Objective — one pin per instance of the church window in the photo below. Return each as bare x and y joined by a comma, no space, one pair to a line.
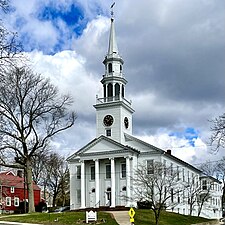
123,170
92,172
172,195
78,172
183,175
150,169
117,91
123,91
204,185
110,90
104,90
110,68
108,171
178,173
78,196
108,132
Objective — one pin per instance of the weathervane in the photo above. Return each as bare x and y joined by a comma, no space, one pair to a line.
112,13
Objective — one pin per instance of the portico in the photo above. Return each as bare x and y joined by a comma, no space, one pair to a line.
104,181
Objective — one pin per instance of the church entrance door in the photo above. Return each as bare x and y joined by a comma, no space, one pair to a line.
108,197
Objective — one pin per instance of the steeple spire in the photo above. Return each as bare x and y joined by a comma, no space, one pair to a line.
112,39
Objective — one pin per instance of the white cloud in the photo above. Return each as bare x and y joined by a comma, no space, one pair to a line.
181,148
67,71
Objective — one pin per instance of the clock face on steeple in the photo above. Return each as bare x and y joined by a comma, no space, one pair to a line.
108,120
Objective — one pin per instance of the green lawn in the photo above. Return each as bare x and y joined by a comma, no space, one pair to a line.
146,217
142,217
70,218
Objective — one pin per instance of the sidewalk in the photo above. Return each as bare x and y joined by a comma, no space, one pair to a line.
121,217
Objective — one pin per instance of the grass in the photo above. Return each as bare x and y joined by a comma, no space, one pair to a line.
70,218
142,217
146,217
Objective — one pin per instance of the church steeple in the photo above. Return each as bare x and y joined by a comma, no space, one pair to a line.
113,111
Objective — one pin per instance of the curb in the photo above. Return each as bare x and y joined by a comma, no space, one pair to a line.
17,223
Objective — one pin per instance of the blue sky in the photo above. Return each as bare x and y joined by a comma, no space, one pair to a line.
174,53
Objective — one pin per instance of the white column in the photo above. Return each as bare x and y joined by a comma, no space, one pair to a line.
83,205
128,181
97,200
113,184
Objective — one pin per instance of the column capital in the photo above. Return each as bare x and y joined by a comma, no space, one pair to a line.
111,158
95,160
128,157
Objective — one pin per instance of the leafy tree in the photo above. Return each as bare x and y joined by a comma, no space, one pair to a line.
157,184
32,112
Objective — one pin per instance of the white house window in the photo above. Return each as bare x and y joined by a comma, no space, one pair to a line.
150,169
16,201
8,201
92,172
108,171
12,189
78,172
123,170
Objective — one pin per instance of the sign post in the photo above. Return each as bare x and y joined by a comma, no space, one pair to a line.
131,214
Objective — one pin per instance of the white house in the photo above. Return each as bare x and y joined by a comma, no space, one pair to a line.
101,172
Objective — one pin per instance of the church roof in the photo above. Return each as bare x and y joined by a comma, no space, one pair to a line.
160,151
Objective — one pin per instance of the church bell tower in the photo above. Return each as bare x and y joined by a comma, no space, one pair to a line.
113,111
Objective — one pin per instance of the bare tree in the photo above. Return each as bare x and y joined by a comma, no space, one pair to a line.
9,46
32,112
218,132
57,176
157,184
196,194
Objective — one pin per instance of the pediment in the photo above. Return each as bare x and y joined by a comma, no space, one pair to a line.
102,146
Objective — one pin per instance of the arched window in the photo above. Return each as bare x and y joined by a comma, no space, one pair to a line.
110,68
123,91
120,68
117,91
110,91
124,188
104,87
109,189
93,190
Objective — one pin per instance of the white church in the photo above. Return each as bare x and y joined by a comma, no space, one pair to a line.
101,172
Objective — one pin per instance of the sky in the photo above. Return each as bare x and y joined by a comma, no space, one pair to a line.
174,61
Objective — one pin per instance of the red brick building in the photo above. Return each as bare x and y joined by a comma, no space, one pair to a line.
13,191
